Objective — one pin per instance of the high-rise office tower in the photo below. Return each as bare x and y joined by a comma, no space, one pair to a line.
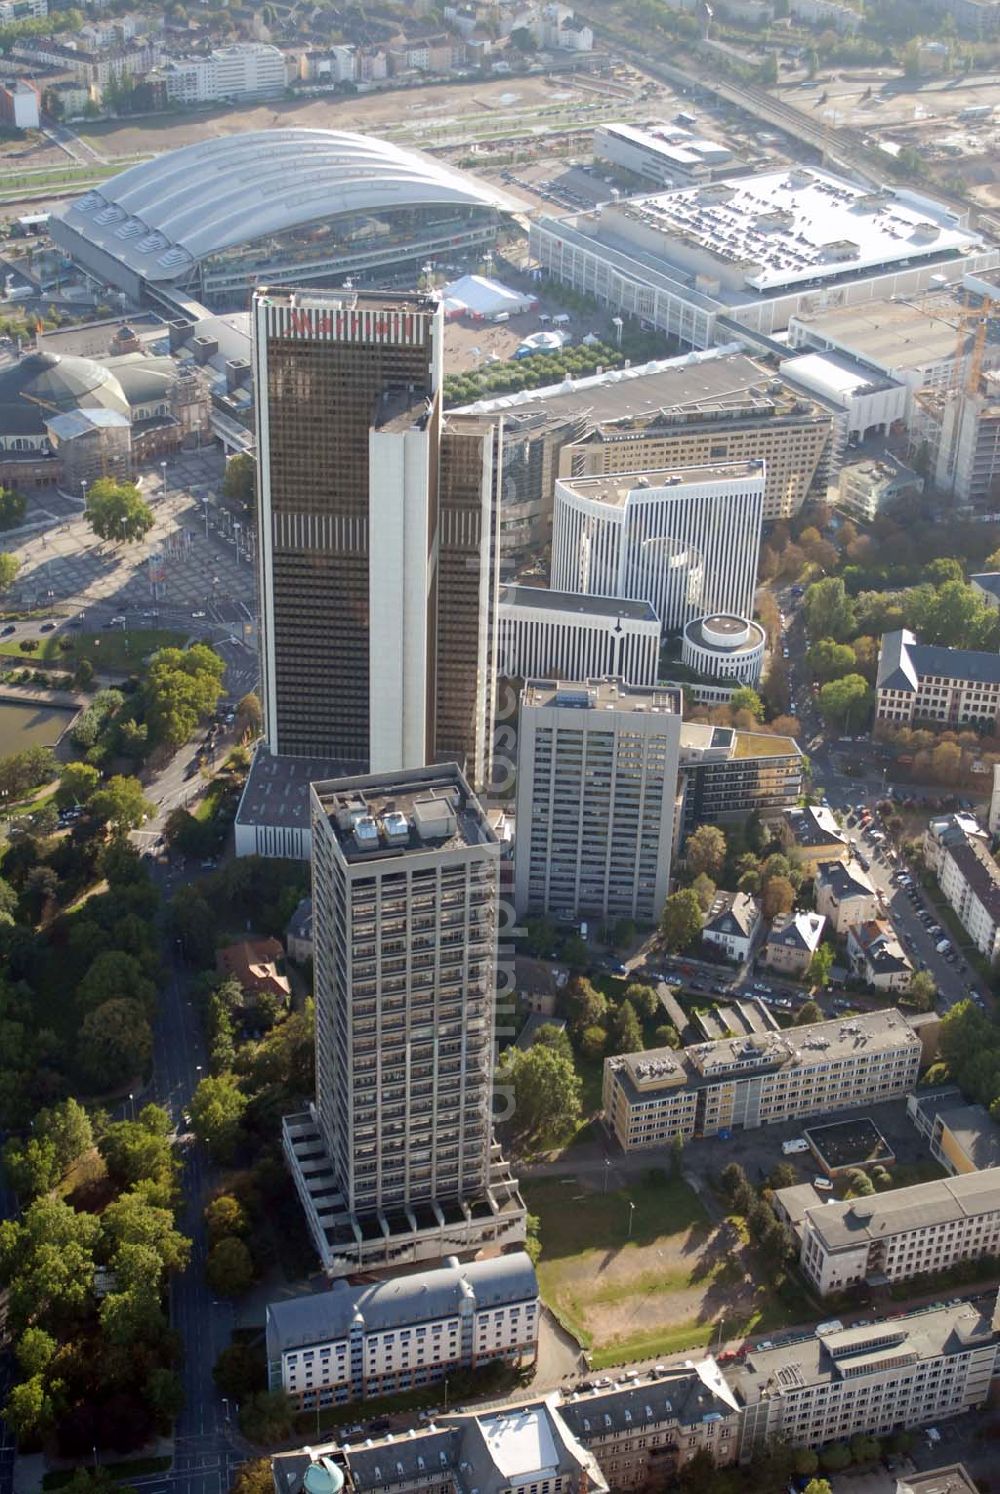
686,539
378,536
396,1161
596,794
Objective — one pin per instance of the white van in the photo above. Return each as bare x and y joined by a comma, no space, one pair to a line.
833,1326
797,1144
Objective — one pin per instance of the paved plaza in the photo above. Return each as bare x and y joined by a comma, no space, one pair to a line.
196,567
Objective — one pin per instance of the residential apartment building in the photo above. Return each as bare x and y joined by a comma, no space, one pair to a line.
94,67
378,542
238,73
906,1373
596,786
844,894
890,1237
731,924
741,1083
395,1162
877,957
685,540
957,850
925,682
352,1343
812,835
727,774
791,942
561,635
639,1431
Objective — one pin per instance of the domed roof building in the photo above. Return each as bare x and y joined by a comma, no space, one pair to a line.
123,409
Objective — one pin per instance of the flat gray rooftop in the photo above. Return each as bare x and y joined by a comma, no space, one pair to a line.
599,695
614,489
571,601
382,815
277,788
846,1224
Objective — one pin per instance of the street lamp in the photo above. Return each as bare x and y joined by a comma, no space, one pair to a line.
237,527
631,1216
205,502
131,1104
163,470
607,1169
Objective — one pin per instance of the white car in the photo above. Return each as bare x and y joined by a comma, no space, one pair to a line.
822,1185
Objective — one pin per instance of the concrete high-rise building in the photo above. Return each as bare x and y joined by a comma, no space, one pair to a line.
684,540
596,792
378,537
396,1162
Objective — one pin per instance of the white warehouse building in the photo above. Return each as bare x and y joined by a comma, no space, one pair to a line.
243,71
756,251
685,541
562,635
350,1343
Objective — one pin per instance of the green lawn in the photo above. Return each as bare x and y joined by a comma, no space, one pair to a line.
663,1288
56,1478
110,649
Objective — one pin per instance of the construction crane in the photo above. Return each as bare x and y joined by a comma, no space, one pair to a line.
979,317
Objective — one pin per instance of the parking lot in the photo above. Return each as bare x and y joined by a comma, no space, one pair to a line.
759,1151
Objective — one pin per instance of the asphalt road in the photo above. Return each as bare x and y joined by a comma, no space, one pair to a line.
204,1455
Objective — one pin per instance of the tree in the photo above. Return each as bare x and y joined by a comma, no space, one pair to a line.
815,1485
13,507
806,1461
217,1107
667,1036
164,1394
193,923
116,1043
34,1352
680,924
267,1417
828,610
782,1175
777,895
182,687
31,1168
593,1040
138,1151
818,973
846,701
229,1267
10,568
78,783
705,851
250,716
864,1448
116,511
121,805
827,660
225,1215
921,993
808,1012
134,1221
704,890
746,699
114,976
588,1006
30,1410
239,1371
643,999
239,480
626,1030
546,1094
735,1188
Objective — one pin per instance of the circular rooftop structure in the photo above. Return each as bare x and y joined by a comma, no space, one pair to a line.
45,384
724,646
271,207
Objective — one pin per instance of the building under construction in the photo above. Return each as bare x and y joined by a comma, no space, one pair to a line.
955,428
